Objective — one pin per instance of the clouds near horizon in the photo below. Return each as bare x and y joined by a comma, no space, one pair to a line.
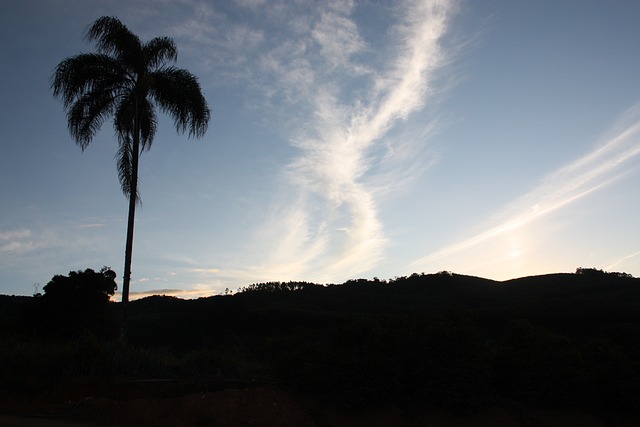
616,156
328,228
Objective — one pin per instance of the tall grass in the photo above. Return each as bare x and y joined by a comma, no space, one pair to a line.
34,364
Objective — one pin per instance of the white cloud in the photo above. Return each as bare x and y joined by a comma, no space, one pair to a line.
624,262
336,96
201,270
19,247
338,37
330,230
250,4
215,42
15,234
20,241
611,161
90,225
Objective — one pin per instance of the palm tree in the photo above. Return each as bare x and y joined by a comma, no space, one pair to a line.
127,79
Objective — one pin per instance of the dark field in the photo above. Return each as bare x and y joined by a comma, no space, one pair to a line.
437,350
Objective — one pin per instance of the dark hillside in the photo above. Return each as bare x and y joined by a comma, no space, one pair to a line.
444,340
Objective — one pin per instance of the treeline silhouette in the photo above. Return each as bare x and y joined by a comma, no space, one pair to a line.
448,340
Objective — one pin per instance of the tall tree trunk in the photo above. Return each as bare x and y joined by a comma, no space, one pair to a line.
133,198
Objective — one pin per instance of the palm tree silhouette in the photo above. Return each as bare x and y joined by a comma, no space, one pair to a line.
127,79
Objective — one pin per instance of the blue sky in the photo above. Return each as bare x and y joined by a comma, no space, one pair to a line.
348,139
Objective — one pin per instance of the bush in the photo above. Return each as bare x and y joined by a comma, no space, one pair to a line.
75,304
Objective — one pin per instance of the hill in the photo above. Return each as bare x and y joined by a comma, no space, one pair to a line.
446,341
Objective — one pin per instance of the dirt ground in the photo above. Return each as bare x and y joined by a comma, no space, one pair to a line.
159,405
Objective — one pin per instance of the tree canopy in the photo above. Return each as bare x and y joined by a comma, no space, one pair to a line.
99,285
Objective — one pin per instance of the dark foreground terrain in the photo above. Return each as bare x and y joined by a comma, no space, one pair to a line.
433,350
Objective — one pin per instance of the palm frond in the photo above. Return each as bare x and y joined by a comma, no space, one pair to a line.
77,75
124,115
122,80
148,124
86,115
177,93
158,51
124,161
113,37
124,120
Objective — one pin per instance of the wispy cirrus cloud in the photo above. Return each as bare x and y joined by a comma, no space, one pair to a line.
90,225
20,241
338,36
251,4
615,157
330,229
334,96
614,265
15,234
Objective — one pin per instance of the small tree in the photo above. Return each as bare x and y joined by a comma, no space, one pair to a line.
78,302
99,286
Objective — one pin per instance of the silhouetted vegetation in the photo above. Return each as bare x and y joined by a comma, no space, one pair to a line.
451,341
76,304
